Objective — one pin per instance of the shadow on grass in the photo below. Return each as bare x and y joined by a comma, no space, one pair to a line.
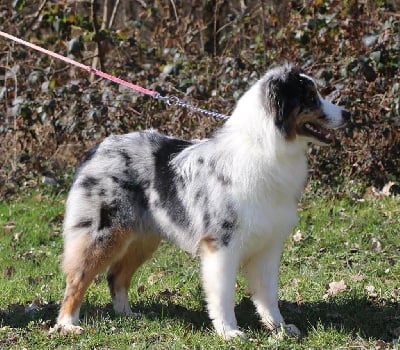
353,315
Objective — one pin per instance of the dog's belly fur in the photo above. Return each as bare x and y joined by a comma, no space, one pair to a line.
138,188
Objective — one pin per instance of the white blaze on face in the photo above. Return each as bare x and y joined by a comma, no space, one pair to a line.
333,113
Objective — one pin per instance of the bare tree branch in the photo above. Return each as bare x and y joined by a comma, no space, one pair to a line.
36,16
99,54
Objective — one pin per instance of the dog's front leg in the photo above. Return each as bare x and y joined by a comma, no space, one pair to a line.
219,268
262,275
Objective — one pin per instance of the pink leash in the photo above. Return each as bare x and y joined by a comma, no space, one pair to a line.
172,100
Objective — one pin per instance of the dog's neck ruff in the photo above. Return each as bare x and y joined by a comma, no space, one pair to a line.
251,121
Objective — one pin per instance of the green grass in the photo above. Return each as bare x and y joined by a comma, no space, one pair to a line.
357,241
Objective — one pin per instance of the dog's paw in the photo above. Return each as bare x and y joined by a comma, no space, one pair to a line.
286,330
127,312
65,329
291,330
231,334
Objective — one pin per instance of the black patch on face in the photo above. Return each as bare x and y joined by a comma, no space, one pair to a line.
200,160
108,214
285,92
84,223
165,181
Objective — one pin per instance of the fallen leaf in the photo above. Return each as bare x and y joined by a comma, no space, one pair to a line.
17,236
295,282
9,226
38,198
371,291
356,278
335,288
154,277
376,245
298,236
370,288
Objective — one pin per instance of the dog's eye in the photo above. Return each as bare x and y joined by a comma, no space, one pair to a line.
312,98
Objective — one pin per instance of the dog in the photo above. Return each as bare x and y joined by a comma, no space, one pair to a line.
230,199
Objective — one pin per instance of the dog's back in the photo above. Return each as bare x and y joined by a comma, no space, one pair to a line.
115,183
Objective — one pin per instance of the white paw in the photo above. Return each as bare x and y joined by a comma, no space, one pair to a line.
121,304
231,334
288,330
125,312
291,330
65,329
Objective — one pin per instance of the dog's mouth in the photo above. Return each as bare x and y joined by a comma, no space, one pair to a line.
316,131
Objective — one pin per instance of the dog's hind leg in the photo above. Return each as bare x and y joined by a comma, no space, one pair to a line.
120,272
219,268
84,257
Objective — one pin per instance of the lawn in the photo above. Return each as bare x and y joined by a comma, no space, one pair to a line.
340,283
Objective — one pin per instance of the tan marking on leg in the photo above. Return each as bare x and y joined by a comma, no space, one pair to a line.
208,245
83,259
120,273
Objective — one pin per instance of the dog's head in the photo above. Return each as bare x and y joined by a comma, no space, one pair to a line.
291,97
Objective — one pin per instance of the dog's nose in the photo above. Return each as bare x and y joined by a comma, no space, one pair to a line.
346,115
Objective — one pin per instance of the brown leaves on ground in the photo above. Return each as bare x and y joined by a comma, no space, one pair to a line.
335,288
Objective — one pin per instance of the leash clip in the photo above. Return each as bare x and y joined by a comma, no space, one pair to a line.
173,101
168,100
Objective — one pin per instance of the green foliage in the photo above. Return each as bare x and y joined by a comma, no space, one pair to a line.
53,113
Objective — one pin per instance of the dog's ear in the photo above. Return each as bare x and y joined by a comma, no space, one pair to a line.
282,97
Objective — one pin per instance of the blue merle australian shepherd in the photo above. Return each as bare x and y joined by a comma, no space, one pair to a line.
230,199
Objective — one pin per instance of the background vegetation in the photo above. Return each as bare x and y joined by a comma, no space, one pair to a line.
206,52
